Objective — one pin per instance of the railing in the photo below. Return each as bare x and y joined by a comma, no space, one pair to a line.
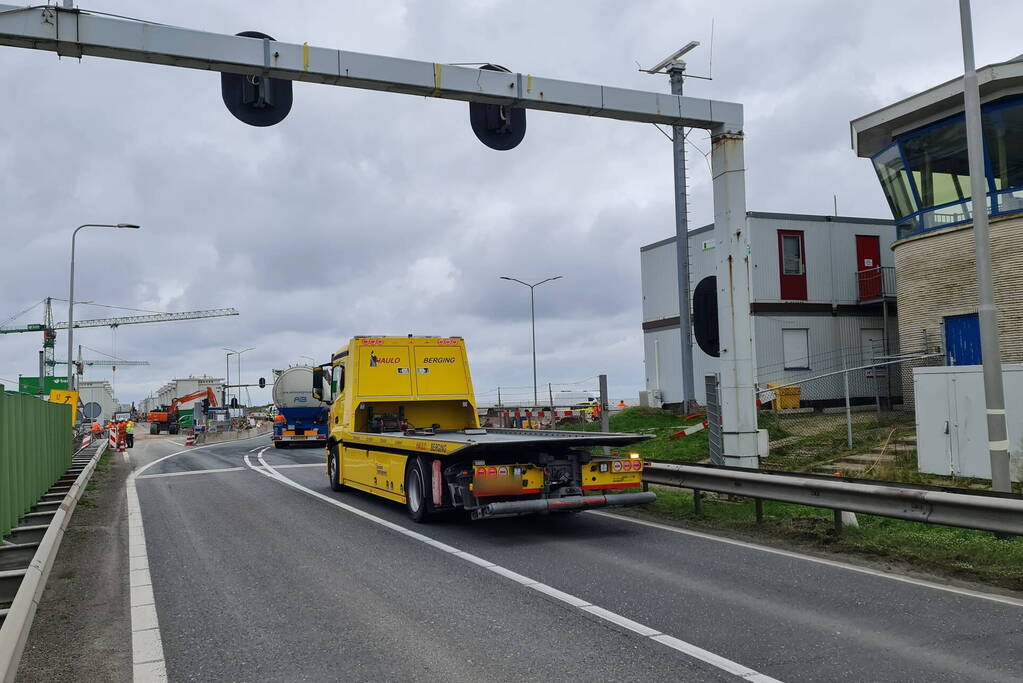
985,511
35,450
875,284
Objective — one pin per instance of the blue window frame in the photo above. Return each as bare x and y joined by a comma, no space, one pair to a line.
925,173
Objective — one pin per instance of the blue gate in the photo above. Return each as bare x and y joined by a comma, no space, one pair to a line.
962,339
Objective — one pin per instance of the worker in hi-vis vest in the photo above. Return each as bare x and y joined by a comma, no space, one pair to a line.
129,433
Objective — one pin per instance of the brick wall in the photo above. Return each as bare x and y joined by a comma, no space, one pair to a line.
936,277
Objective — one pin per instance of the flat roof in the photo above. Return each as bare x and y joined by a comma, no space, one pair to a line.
873,132
782,217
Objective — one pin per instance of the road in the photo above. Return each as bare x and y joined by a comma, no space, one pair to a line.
260,572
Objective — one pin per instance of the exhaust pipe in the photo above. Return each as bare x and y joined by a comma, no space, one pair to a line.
512,508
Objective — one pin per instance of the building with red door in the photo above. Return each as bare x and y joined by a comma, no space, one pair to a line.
823,296
918,149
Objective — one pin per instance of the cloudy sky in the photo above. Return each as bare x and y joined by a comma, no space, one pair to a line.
366,213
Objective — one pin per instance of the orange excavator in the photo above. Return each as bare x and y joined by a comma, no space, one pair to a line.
167,418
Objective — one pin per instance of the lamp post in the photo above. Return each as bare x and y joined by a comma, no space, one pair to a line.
71,295
227,364
532,319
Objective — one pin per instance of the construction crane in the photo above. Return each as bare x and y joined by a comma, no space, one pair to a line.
49,328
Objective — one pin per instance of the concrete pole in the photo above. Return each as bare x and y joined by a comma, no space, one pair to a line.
738,400
676,72
994,395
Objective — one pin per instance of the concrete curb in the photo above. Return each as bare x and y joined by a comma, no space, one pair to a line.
16,627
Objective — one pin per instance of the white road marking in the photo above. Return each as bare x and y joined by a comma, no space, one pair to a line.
304,464
644,631
147,661
190,472
1004,599
146,645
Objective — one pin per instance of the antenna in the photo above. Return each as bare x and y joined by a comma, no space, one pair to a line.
661,65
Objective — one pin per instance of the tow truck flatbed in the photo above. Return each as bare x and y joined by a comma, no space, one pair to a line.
490,439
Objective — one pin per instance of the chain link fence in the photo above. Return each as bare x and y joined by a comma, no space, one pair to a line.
852,420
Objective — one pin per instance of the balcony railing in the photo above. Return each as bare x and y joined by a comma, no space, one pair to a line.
875,284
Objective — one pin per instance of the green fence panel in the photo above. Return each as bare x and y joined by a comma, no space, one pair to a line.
35,450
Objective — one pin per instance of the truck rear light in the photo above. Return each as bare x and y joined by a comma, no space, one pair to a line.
492,471
626,465
481,471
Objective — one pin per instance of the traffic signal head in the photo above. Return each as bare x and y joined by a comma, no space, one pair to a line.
262,382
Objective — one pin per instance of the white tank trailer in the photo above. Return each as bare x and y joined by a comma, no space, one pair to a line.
304,416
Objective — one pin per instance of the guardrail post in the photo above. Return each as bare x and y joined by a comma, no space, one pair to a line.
758,504
838,522
698,502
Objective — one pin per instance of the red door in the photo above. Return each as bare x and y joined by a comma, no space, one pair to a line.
868,266
792,264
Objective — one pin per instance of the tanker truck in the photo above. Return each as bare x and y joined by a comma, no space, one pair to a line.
301,418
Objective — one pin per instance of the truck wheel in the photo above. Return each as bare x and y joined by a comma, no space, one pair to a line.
416,489
279,444
334,470
173,429
154,428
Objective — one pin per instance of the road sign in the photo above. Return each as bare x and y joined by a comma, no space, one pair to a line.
69,398
30,385
91,410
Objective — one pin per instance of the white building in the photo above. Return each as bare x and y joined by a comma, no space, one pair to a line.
177,388
822,287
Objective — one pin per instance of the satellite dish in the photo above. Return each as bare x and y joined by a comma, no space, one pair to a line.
705,316
497,126
91,410
256,100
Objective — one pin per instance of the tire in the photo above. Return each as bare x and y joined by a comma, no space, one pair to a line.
172,429
154,428
416,490
278,444
334,470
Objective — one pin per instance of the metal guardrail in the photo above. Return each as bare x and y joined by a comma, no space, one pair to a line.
984,511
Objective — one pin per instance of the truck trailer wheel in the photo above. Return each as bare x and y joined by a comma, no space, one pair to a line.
280,444
334,470
173,429
416,478
154,428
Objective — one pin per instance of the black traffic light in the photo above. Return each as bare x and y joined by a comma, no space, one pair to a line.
257,100
262,382
497,126
234,402
205,404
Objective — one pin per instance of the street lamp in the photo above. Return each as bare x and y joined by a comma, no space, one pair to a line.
227,381
71,295
532,318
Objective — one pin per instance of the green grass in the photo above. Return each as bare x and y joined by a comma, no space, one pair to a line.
962,553
661,424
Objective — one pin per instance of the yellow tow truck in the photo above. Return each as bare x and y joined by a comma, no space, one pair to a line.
403,425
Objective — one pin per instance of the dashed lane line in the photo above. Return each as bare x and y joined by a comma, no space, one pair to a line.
642,630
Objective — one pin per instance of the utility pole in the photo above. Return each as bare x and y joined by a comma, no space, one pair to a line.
675,67
676,72
994,394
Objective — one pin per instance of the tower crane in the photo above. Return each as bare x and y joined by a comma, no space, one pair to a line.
49,328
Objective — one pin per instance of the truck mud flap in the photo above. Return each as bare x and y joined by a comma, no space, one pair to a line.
547,505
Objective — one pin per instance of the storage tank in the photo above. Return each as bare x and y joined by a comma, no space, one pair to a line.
293,393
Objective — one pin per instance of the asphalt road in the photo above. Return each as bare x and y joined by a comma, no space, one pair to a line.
265,574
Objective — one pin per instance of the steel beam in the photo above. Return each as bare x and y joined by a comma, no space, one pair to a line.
999,513
77,33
